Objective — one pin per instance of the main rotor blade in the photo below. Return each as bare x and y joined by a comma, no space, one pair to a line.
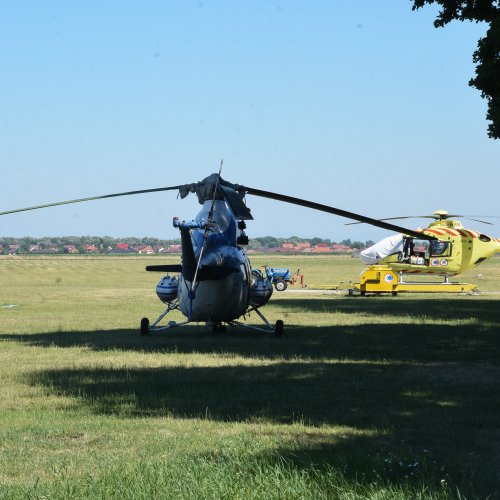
336,211
481,221
450,216
91,198
398,218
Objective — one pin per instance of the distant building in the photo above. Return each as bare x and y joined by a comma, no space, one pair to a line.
321,248
122,248
49,249
270,249
14,249
71,249
90,248
301,247
147,250
173,249
339,248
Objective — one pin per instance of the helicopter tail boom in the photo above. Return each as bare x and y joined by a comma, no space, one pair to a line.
166,268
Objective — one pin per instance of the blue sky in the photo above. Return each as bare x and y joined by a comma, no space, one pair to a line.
361,105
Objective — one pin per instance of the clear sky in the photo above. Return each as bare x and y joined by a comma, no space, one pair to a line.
361,105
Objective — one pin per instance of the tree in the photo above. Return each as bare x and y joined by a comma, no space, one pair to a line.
269,241
487,55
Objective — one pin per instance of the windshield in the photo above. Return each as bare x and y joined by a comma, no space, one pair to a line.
421,247
440,247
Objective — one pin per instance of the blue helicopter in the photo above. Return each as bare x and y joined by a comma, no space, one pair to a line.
214,282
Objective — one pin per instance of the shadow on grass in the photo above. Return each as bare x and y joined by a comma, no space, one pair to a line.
367,342
457,308
391,411
398,389
476,338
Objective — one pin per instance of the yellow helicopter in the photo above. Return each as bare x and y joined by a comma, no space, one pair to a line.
445,248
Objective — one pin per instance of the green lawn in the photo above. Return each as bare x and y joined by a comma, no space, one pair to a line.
374,397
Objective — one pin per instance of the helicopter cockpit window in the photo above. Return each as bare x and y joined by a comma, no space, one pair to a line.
421,248
419,252
440,247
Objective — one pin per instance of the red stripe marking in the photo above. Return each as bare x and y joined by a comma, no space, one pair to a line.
451,231
463,233
435,231
471,233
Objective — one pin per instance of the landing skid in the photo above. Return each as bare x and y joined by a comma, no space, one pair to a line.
277,329
147,328
379,279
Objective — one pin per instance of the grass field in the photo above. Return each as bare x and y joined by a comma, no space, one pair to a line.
374,397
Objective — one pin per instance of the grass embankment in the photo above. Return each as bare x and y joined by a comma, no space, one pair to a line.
384,397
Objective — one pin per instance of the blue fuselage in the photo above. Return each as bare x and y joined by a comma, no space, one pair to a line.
224,295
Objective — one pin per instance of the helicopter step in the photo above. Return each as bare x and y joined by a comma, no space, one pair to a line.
382,279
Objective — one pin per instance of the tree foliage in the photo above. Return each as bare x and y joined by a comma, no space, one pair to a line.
487,55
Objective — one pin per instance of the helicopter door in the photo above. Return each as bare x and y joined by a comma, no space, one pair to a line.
416,251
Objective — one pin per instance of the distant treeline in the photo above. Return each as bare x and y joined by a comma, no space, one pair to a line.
60,244
273,242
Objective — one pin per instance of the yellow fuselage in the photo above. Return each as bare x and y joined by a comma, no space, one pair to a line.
467,249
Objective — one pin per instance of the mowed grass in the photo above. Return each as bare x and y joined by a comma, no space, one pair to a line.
374,397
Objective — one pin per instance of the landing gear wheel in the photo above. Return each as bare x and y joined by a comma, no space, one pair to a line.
145,326
281,285
279,328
